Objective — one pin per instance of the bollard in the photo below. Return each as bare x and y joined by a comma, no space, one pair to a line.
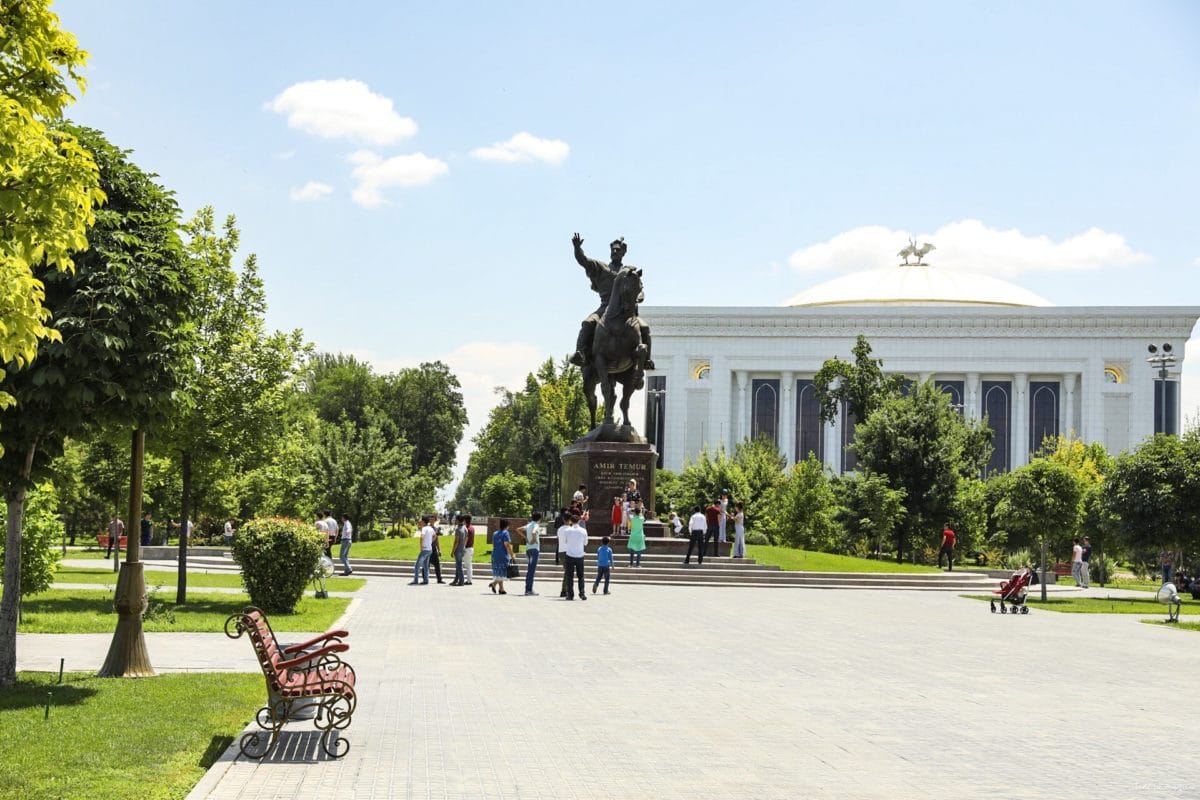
49,697
61,663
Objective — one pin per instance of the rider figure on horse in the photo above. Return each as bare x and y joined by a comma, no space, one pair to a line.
602,276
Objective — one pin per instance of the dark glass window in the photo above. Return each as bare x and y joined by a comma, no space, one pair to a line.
1043,413
764,421
849,429
656,407
1172,389
810,434
996,406
955,389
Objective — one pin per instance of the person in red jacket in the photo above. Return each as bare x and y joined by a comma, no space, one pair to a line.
948,537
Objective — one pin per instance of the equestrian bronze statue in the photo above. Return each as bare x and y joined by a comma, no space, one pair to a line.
613,345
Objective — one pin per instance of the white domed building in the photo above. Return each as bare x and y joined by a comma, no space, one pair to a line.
1000,351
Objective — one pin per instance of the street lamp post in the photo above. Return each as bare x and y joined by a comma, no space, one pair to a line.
1162,359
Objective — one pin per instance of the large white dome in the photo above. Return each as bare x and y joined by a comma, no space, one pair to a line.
916,286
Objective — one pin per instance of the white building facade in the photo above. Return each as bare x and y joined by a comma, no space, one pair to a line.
1001,353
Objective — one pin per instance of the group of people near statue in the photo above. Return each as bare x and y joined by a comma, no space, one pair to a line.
627,518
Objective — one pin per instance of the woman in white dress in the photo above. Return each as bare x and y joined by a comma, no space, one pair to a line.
739,530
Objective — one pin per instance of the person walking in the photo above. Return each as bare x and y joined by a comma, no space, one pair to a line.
459,550
347,539
1077,562
227,536
116,529
435,557
739,529
637,538
947,548
147,528
421,568
469,551
676,525
331,527
1166,560
604,564
574,546
560,553
533,549
1086,555
696,526
502,553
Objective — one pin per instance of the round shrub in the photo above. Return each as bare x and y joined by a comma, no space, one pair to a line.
755,537
278,559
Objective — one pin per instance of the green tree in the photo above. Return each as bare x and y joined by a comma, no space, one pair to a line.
340,386
1152,496
506,495
122,318
702,480
763,467
43,531
871,511
1042,500
232,401
525,434
49,184
359,473
803,510
862,386
922,446
426,404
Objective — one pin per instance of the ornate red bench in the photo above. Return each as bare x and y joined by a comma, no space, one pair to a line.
298,673
102,540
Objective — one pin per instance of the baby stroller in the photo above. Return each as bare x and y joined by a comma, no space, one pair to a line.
1013,591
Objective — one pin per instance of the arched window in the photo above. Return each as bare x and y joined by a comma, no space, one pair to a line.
764,419
997,409
810,434
955,390
1043,413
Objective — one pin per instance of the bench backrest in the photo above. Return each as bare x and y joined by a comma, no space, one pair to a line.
254,623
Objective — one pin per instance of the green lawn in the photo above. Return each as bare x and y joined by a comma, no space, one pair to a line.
791,559
87,611
406,549
1103,605
1185,626
232,580
84,749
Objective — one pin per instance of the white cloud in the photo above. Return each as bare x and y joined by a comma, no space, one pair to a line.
375,173
286,155
313,190
525,146
342,109
972,246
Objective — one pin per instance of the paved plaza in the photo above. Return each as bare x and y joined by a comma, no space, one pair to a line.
676,692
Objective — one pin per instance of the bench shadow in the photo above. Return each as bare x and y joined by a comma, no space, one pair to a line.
298,747
212,753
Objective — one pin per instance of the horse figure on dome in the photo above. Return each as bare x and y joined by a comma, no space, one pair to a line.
619,351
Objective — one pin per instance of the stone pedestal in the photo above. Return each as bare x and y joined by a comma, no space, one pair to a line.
605,467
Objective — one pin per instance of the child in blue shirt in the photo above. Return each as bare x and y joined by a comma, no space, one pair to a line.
604,562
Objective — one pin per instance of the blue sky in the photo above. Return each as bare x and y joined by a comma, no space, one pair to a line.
1056,145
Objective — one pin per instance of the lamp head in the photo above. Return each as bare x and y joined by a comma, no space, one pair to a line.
1166,347
1152,348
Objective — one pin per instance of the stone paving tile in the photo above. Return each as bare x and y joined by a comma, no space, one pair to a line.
672,692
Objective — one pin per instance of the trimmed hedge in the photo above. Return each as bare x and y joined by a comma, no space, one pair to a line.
278,558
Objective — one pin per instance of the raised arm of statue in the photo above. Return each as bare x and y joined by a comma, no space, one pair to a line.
585,262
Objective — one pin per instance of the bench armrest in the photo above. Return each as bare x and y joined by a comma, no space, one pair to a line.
335,635
293,663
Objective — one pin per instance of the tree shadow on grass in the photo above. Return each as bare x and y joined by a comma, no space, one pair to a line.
30,694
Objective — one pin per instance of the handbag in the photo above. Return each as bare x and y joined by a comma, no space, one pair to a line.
513,571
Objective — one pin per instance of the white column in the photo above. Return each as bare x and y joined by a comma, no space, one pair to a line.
787,416
924,376
1020,420
742,425
1091,409
971,401
1067,399
833,445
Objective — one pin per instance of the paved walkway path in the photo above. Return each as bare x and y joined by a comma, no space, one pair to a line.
672,692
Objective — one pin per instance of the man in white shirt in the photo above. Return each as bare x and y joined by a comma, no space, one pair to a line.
331,528
724,503
696,527
1077,563
574,544
421,568
347,538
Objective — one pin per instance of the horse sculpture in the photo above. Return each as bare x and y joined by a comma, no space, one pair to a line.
619,351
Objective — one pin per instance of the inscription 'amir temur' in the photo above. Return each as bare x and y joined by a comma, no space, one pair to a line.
622,466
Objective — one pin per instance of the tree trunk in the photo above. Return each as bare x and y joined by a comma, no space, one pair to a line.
181,584
10,603
127,655
116,548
